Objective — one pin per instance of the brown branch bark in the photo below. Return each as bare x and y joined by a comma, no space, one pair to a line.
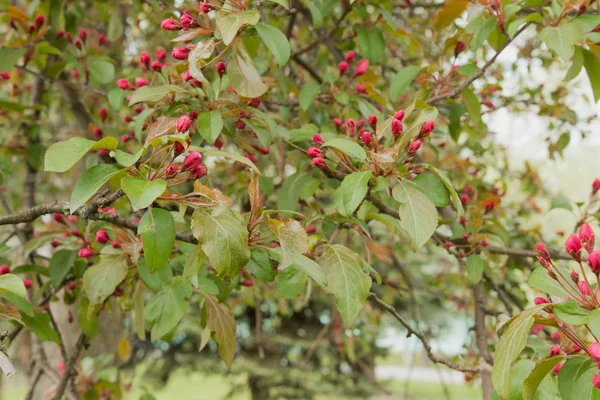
481,340
70,367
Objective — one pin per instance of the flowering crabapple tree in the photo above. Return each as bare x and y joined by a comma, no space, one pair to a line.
274,180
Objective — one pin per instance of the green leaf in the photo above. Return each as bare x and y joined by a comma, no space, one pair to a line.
244,77
60,265
474,268
90,182
346,146
561,39
224,239
570,374
315,12
418,215
219,319
429,113
540,279
226,154
591,62
142,192
9,57
576,65
152,94
13,290
433,188
61,156
594,323
125,159
39,324
292,238
453,195
346,280
473,106
536,376
260,265
300,185
310,268
510,345
201,52
571,313
284,3
115,27
168,307
401,81
229,23
561,202
101,70
291,282
157,228
155,281
467,69
26,269
210,125
351,192
308,93
101,280
451,10
583,390
115,98
371,44
275,41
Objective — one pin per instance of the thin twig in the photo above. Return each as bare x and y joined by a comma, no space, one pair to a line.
70,367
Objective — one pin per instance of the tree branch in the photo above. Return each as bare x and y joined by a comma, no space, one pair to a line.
70,367
411,331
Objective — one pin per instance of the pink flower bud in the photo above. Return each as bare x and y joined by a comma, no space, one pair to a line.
596,381
540,300
171,171
361,68
318,139
156,66
4,76
343,67
183,123
239,124
221,67
97,132
248,283
101,236
414,146
180,53
101,39
489,206
573,247
205,8
586,235
123,84
39,20
179,148
397,127
145,58
373,121
596,185
594,351
86,252
102,113
594,261
187,21
127,118
311,230
584,287
139,82
58,218
4,269
360,88
170,24
399,115
27,283
350,56
115,244
337,122
543,255
427,128
218,144
555,350
192,161
74,73
83,34
574,276
459,48
557,368
255,102
319,162
161,55
199,171
366,138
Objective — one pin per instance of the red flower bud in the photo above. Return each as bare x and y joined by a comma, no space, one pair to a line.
489,206
596,381
156,66
337,122
123,84
557,368
596,185
594,351
319,162
77,44
54,243
161,55
373,121
399,115
397,127
311,229
171,171
594,261
27,283
350,56
192,161
574,276
58,218
139,82
366,138
97,132
183,123
74,73
218,144
115,244
86,252
361,68
318,139
248,283
540,300
170,24
586,235
555,350
573,247
199,171
4,269
180,53
314,152
459,48
205,8
414,146
250,157
127,118
101,39
360,88
187,21
145,58
39,20
221,67
118,292
427,128
4,76
343,67
83,34
72,286
584,287
543,255
102,113
179,148
102,236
